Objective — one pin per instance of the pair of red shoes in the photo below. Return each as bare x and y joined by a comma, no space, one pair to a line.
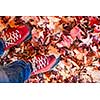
14,36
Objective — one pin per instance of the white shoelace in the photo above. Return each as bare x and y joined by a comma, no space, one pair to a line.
13,37
39,63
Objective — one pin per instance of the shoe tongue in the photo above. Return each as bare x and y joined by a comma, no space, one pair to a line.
38,56
10,30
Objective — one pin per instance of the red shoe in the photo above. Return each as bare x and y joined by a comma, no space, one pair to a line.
14,36
43,63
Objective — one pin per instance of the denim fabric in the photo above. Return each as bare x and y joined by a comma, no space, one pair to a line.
1,47
3,77
18,71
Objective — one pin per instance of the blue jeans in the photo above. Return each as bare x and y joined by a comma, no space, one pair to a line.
16,72
1,47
